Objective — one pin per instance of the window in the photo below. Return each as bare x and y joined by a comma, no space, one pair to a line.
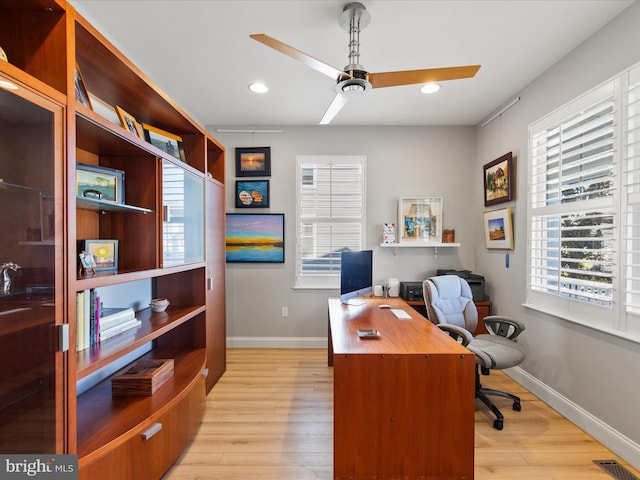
584,208
330,193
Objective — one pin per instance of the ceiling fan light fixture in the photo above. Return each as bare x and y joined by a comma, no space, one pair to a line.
258,87
430,87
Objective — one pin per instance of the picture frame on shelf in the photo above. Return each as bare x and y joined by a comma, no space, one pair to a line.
255,238
103,109
82,94
169,143
252,193
498,180
253,161
498,229
104,252
419,220
100,183
87,263
129,122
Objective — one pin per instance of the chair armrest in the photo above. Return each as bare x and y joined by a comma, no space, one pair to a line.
459,334
504,326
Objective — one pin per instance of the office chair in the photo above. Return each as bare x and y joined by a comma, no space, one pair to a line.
450,306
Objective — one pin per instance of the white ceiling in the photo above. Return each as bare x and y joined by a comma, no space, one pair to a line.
199,52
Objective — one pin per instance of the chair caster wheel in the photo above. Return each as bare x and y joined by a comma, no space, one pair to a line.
516,406
497,424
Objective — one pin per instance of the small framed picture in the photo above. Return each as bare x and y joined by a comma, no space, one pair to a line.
420,219
104,252
253,162
100,183
82,95
129,123
498,230
165,141
252,193
87,263
498,184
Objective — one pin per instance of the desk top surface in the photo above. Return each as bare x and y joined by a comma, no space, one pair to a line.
397,336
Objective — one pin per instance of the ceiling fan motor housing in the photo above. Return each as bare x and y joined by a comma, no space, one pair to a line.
355,86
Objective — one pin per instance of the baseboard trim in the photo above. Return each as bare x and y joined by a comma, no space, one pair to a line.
277,342
611,438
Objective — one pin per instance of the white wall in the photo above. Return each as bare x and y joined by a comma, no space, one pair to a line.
416,161
588,375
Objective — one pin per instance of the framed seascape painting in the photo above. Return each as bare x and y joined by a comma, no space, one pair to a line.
253,162
498,180
252,193
498,229
104,253
100,183
255,238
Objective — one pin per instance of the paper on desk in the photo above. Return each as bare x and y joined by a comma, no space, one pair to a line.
400,313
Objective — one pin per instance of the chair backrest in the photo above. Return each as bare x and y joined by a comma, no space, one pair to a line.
448,299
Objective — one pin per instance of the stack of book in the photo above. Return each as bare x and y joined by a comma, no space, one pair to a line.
95,323
116,320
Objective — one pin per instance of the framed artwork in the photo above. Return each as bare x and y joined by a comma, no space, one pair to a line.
498,229
420,219
104,252
105,110
129,123
255,238
82,95
99,183
252,193
253,162
165,141
498,184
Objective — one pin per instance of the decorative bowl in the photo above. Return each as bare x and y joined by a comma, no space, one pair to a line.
159,304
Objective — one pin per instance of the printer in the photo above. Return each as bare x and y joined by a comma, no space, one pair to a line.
476,282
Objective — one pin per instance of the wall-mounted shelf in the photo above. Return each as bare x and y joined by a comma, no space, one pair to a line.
434,245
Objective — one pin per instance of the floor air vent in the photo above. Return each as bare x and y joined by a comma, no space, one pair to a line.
616,470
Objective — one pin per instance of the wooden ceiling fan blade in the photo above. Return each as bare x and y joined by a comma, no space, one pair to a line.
296,54
336,105
410,77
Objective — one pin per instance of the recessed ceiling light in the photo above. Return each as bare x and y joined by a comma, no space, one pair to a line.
258,87
430,88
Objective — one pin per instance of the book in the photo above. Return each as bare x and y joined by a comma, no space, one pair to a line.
80,343
143,377
121,328
115,316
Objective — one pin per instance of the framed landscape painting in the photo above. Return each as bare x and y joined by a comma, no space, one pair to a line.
498,180
253,162
498,230
255,238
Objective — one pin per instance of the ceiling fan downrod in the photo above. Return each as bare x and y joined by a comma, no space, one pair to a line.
353,18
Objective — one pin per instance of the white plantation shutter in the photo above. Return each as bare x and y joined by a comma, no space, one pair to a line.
330,216
631,190
584,207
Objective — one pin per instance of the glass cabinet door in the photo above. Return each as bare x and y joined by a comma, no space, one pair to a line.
31,294
183,216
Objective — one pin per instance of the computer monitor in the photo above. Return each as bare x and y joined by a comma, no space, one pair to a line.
356,275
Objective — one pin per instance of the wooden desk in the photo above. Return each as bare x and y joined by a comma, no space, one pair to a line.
404,402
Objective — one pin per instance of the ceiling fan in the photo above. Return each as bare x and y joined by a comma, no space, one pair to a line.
354,80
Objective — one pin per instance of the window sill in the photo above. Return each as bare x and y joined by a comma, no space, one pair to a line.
629,336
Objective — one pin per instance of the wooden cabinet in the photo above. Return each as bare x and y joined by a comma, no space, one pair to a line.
167,220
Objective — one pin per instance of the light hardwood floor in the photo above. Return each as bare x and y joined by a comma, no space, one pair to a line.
270,418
